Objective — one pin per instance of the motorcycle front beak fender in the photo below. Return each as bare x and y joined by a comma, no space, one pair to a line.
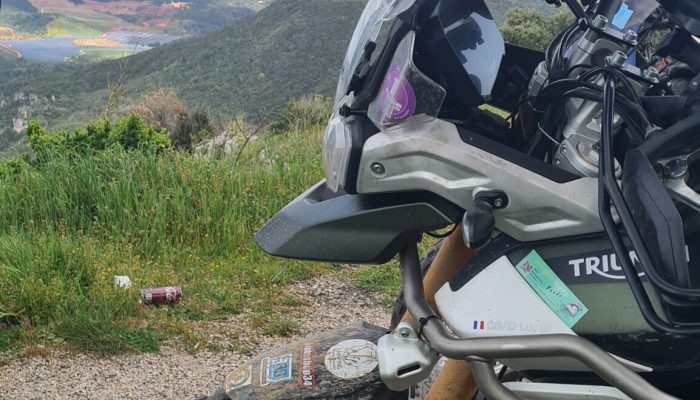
321,225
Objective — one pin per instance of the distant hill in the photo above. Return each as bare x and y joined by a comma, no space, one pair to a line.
290,48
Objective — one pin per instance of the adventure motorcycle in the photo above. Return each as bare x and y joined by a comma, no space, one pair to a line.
573,265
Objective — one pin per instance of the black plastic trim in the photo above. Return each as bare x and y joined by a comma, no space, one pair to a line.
498,149
359,229
361,129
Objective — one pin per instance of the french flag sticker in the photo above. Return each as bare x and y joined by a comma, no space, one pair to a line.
478,325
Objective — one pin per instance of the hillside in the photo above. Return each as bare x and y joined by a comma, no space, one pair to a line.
31,18
290,48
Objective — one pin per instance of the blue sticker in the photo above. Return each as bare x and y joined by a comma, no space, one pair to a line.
623,16
275,369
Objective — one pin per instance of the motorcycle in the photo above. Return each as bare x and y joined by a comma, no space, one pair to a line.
571,265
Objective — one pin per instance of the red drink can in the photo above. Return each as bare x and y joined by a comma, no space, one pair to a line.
163,295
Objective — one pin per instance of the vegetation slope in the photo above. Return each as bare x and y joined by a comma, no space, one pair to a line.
116,199
290,48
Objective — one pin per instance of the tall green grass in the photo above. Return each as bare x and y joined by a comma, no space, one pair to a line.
71,224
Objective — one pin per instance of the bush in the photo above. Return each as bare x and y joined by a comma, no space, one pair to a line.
303,114
13,166
128,133
191,130
164,110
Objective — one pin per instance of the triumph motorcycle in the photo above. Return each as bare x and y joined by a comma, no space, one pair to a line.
567,183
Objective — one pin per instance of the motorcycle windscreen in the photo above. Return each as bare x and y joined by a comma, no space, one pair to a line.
475,40
406,94
376,14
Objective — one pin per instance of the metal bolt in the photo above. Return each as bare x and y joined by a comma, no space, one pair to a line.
557,162
378,168
631,36
599,22
676,169
651,74
617,59
498,202
404,332
563,150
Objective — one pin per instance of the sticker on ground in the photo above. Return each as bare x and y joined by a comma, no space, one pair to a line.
352,359
275,369
551,289
239,378
307,375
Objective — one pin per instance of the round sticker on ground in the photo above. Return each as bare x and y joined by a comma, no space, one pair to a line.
352,359
238,379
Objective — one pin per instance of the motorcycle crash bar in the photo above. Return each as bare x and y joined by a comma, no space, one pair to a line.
479,350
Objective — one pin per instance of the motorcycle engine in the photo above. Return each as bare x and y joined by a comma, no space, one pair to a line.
601,44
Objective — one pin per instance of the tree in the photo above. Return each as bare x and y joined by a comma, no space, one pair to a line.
527,27
163,109
192,129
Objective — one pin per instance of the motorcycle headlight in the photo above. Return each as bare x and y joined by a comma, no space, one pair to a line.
337,145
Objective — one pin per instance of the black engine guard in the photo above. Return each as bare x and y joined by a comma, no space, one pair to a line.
359,229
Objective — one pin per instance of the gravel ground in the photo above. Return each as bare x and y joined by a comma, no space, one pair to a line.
175,374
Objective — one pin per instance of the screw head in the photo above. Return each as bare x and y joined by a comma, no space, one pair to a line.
617,59
378,168
676,169
404,332
631,36
557,162
564,150
651,73
498,202
599,21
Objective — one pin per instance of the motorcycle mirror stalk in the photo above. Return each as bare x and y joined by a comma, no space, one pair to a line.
479,223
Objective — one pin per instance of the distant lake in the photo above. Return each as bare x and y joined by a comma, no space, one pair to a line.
53,50
59,48
149,39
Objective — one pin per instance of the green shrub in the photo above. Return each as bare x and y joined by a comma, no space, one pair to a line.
128,133
303,114
193,128
13,166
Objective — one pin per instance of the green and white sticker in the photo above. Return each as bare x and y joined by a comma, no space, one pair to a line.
551,289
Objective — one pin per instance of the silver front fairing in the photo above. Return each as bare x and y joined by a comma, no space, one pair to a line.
433,157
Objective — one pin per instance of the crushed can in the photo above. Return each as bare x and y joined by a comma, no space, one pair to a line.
162,295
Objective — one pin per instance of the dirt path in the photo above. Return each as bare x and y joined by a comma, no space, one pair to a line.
174,374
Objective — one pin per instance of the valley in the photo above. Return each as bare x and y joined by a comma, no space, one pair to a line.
91,30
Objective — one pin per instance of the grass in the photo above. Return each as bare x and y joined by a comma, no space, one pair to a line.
64,25
172,219
384,279
99,54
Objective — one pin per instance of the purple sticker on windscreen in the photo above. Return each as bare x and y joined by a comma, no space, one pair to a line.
397,99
